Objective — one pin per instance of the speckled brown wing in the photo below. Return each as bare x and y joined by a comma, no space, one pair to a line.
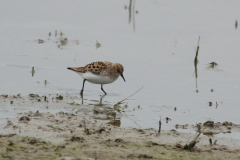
100,67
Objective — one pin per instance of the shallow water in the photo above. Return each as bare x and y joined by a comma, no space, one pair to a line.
155,41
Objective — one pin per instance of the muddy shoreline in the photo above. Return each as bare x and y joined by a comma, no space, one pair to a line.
39,133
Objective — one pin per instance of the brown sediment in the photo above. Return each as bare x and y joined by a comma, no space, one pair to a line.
66,134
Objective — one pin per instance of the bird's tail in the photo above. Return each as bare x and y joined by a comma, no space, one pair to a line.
70,68
77,69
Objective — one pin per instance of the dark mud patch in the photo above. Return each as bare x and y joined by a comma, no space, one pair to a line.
212,128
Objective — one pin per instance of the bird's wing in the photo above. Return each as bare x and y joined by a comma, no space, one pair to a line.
102,68
99,68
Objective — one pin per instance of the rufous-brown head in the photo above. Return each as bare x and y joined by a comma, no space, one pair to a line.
118,68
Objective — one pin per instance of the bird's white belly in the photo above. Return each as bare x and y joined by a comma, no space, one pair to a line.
96,79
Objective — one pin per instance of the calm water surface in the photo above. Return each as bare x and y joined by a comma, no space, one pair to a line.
154,40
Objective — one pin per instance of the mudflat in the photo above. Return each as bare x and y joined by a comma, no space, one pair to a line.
36,132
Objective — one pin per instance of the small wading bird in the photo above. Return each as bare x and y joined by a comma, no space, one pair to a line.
101,72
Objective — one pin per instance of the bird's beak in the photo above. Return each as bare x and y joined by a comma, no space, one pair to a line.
123,77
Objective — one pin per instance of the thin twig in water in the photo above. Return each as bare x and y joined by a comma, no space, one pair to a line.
199,133
195,60
127,97
160,124
73,99
135,123
192,144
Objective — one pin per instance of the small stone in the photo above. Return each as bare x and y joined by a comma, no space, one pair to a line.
119,140
24,118
210,141
209,123
59,97
76,139
40,41
225,123
11,143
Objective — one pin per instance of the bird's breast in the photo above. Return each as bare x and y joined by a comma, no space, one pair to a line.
97,79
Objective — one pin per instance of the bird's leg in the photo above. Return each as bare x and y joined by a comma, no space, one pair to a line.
82,87
102,89
101,97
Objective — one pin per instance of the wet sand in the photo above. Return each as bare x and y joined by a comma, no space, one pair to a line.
39,133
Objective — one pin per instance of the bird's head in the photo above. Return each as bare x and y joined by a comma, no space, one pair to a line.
118,68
